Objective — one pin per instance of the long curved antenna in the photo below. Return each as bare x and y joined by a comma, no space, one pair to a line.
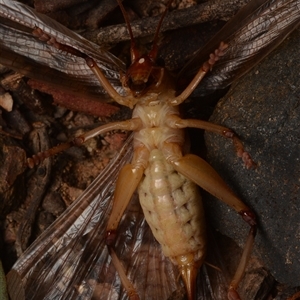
134,52
153,52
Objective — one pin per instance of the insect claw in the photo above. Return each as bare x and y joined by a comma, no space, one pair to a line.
240,151
249,163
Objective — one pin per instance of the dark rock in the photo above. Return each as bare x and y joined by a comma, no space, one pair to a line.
264,110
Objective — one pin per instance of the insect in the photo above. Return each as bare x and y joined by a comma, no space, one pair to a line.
42,249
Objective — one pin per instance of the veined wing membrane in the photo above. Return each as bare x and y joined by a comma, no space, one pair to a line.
21,51
70,259
251,34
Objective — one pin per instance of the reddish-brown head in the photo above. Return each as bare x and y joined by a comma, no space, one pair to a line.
143,72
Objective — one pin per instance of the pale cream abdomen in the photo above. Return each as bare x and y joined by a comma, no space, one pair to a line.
172,207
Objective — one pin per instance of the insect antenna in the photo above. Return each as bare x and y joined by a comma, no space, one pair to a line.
153,52
133,50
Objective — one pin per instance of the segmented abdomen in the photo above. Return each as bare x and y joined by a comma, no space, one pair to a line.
172,207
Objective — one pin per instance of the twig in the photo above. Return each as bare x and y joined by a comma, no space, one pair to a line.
209,11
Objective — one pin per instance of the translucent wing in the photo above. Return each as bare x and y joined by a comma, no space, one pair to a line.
70,259
21,51
256,30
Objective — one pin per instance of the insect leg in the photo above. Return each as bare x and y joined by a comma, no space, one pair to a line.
130,125
129,101
207,65
128,180
224,131
200,172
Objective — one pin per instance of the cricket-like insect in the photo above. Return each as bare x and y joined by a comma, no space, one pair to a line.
71,259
